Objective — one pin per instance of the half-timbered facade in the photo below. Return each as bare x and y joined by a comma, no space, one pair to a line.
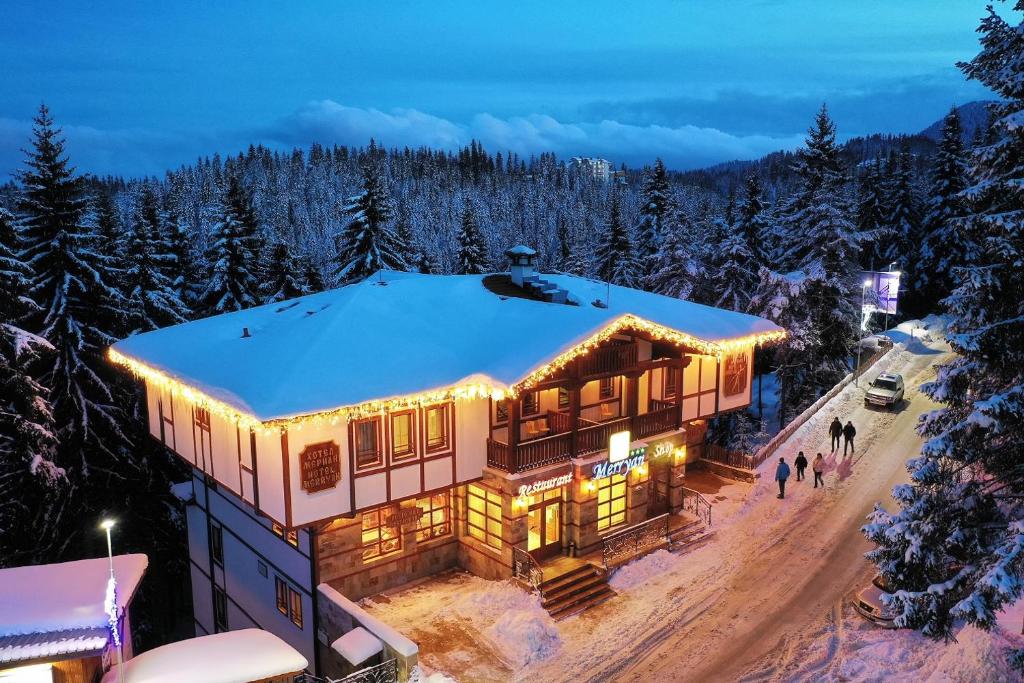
378,433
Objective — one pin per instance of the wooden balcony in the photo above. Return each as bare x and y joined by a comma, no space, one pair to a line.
614,359
590,437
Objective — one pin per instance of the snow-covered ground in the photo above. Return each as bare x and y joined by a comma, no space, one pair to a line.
764,600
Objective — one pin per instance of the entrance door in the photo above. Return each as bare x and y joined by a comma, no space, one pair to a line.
544,524
657,491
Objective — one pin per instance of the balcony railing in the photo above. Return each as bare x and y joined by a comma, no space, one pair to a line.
610,359
591,437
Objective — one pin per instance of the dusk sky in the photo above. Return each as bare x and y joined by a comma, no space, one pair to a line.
142,87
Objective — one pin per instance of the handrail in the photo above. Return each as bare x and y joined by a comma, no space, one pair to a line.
633,540
526,569
694,502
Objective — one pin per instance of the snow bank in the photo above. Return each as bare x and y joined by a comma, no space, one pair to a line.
641,571
510,619
69,595
419,674
246,655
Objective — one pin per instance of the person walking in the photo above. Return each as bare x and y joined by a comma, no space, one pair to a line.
835,430
849,431
818,467
781,475
801,465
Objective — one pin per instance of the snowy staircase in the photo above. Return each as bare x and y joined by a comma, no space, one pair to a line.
691,535
547,291
575,591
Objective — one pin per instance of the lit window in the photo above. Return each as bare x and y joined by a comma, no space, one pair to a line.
295,606
367,437
531,403
378,538
436,518
607,387
500,412
402,445
563,398
291,536
203,418
288,601
671,382
281,591
437,427
611,501
484,515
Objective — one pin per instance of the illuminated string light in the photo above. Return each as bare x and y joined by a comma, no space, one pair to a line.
495,391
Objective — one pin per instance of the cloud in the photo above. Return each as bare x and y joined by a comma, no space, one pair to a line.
682,147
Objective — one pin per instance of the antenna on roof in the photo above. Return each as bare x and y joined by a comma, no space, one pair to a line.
245,333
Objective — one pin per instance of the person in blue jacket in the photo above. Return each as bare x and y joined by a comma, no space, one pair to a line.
781,475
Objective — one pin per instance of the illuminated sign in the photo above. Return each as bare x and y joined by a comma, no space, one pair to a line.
545,484
403,516
618,446
634,459
882,291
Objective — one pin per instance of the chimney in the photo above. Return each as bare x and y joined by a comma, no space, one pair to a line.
522,264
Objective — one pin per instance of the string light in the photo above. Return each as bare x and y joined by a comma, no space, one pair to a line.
470,391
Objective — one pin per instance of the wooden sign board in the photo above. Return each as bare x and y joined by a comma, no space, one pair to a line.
403,516
320,466
735,374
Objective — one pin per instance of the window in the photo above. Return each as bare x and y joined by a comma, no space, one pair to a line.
671,379
563,398
261,567
501,412
217,544
611,501
220,609
292,536
378,538
607,387
288,601
367,438
281,592
531,403
295,606
437,427
203,418
436,518
402,444
484,518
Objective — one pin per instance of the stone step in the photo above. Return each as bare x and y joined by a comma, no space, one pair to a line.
564,591
577,607
553,583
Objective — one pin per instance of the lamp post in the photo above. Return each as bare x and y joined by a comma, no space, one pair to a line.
860,342
112,613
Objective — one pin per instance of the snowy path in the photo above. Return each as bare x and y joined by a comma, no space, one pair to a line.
765,600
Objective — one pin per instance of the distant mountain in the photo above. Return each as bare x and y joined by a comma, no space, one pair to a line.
973,116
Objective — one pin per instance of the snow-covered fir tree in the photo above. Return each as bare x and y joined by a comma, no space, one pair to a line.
233,286
313,278
369,242
754,220
734,271
185,267
284,277
152,300
68,286
614,253
472,256
953,550
654,214
871,212
676,271
943,247
902,225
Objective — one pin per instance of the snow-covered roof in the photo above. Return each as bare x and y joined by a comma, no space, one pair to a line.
398,334
57,609
357,645
230,657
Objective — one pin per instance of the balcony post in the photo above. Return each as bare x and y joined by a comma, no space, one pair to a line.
514,411
684,360
574,416
632,394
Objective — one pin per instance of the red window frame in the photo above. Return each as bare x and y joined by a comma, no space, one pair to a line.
363,455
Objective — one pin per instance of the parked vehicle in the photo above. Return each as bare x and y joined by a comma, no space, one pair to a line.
886,391
869,605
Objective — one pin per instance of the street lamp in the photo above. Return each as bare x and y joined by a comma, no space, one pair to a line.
111,602
860,343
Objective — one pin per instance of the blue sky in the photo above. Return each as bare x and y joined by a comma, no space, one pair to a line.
143,86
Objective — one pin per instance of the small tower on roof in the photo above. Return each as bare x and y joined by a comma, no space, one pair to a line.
522,263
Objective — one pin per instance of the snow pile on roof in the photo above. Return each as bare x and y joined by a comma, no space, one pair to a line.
400,334
357,645
59,597
230,657
183,491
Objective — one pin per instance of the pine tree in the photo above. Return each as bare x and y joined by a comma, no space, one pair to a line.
472,256
284,276
654,214
369,243
614,253
954,548
734,272
676,271
754,222
184,263
871,214
313,278
233,286
943,247
68,287
152,300
14,274
902,226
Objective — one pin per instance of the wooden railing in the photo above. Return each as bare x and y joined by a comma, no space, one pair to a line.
656,422
595,438
697,504
716,453
559,422
526,569
620,546
609,359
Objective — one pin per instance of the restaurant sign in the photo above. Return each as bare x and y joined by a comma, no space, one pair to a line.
403,516
545,484
320,466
